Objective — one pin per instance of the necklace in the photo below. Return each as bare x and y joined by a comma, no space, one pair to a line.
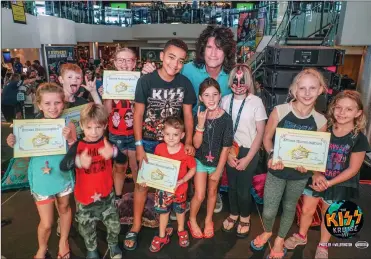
210,157
238,114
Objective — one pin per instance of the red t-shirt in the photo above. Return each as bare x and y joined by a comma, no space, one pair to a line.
120,120
97,180
187,162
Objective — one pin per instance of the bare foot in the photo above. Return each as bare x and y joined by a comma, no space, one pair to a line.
131,243
264,238
195,228
245,228
228,225
64,251
41,253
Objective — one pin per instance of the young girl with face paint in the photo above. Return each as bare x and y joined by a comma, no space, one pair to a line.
248,115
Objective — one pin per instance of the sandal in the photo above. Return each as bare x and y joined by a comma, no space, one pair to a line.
277,255
169,229
230,220
131,236
243,234
192,232
65,256
210,230
183,238
158,243
259,243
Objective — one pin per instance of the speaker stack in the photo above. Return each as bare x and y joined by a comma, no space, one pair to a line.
283,63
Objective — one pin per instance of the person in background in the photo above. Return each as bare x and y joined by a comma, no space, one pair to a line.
40,69
28,66
17,66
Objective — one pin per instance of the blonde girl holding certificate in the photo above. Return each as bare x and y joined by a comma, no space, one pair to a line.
283,183
47,182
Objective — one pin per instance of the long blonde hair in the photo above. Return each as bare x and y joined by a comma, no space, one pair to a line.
247,76
360,121
307,71
48,88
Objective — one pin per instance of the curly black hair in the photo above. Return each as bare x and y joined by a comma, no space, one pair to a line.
224,39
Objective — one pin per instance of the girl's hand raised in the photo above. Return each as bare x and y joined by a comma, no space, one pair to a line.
201,116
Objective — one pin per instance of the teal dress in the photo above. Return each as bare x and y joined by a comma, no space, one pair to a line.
45,176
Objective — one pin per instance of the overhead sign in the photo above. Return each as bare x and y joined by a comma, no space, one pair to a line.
19,15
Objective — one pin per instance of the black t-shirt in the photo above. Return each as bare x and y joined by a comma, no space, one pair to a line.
288,119
338,159
218,134
78,101
162,99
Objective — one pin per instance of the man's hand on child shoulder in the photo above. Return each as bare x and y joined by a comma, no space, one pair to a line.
107,151
10,140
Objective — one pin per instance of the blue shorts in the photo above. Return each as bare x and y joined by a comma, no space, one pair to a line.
165,201
150,146
309,192
201,168
123,143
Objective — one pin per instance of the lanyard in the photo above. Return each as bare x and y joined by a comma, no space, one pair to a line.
238,114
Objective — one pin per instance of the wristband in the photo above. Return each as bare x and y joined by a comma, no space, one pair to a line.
139,143
200,129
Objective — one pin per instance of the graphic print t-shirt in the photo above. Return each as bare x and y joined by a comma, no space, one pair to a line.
187,162
120,120
97,180
162,99
340,151
288,119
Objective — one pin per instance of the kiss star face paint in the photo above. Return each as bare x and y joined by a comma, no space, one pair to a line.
239,86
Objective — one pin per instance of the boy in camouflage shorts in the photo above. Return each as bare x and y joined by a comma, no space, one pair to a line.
92,159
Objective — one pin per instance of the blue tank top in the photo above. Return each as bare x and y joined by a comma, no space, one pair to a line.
48,183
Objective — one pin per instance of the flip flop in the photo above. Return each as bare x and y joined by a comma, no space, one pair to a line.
243,224
192,233
65,256
131,236
260,243
275,255
212,231
47,255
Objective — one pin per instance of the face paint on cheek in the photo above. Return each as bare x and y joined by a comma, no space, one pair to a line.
238,86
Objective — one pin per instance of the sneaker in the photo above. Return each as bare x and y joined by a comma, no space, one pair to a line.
115,252
173,214
321,253
92,254
219,204
295,241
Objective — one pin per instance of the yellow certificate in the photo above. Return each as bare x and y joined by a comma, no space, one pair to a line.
73,115
119,85
301,148
39,137
160,173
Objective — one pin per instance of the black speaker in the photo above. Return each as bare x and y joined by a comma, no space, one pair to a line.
318,56
283,77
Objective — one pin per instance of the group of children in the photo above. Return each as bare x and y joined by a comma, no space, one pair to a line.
227,133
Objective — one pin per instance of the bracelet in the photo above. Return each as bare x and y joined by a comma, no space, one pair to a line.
139,143
200,129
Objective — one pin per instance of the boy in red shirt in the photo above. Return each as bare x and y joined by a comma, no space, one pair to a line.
92,159
165,201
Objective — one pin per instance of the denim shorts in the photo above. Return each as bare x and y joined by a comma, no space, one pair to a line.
309,192
123,142
165,202
201,168
150,146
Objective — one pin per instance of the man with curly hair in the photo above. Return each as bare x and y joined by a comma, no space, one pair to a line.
215,58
